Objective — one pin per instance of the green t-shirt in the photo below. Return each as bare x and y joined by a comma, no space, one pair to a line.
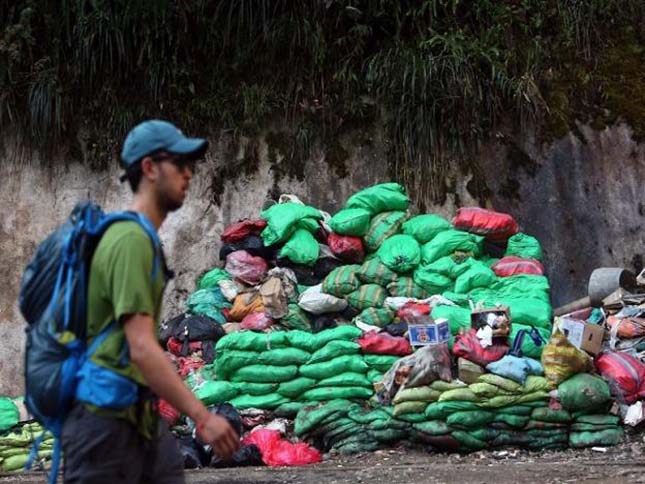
121,283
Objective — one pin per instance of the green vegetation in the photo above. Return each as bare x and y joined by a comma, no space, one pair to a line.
438,75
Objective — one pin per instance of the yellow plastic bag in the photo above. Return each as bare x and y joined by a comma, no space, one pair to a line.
561,359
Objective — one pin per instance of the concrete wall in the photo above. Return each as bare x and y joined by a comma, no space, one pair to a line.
582,198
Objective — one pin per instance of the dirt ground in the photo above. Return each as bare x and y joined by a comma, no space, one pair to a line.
624,463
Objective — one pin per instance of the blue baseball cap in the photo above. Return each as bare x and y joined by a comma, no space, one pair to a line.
157,135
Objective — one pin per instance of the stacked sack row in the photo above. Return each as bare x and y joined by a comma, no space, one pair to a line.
17,436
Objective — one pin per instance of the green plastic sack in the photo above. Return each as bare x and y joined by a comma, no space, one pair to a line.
255,388
401,253
524,410
380,317
433,427
374,375
373,271
418,394
302,248
470,418
367,296
381,363
458,317
296,387
449,241
347,379
382,227
212,297
265,374
444,386
467,441
252,341
535,383
311,416
296,318
478,275
584,392
444,265
484,390
284,357
227,362
9,414
342,280
268,402
384,197
412,417
406,287
282,220
211,279
332,393
425,227
460,394
210,311
346,332
351,221
523,286
501,382
334,349
523,245
432,282
335,366
441,410
515,421
601,438
211,392
409,407
289,410
602,419
365,416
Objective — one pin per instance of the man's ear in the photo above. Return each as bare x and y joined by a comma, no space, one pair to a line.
149,169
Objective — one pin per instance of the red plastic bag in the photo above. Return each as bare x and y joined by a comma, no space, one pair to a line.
624,373
186,365
242,229
467,346
174,346
245,267
513,266
258,321
169,413
493,225
384,344
414,313
277,451
347,248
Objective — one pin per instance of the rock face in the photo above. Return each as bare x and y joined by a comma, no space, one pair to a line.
582,197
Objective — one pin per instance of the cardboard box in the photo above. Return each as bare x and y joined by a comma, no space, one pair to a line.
431,333
580,334
478,319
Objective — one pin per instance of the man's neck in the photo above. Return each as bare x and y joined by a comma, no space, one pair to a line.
149,208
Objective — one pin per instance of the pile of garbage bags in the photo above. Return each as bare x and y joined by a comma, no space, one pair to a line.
308,318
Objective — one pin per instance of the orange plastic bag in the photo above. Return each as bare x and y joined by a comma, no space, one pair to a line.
244,304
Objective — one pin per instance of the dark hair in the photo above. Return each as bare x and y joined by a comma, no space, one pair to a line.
133,174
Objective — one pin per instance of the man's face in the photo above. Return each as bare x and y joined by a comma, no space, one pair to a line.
175,174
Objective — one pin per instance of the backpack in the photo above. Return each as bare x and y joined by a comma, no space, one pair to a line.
53,300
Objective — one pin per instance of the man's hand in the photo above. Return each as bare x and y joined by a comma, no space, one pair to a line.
217,432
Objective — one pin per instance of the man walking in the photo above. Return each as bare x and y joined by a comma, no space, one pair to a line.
132,445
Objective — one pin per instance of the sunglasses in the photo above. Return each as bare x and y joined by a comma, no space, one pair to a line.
179,161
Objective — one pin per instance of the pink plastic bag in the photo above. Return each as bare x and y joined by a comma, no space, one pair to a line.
258,321
512,266
277,451
245,267
384,344
493,225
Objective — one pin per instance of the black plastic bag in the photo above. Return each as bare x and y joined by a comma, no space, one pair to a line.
246,456
195,456
253,244
495,249
324,321
396,329
304,275
198,327
325,265
230,413
167,328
